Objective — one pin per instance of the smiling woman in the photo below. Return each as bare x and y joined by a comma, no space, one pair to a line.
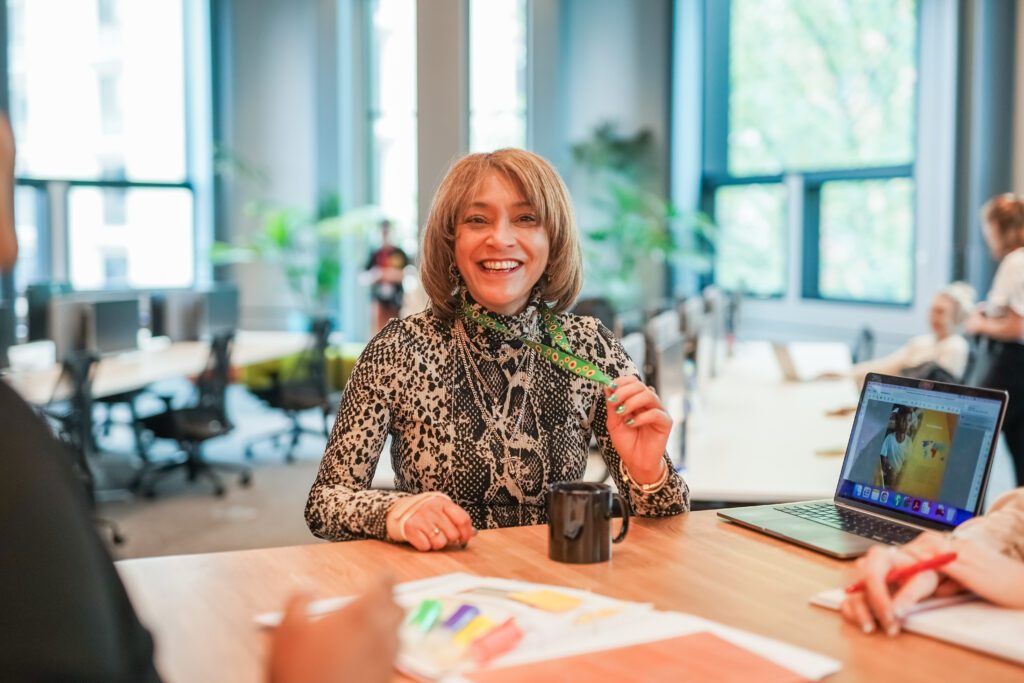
493,393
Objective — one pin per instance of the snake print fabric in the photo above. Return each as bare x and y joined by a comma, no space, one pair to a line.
411,383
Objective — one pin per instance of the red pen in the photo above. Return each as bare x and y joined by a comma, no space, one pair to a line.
901,574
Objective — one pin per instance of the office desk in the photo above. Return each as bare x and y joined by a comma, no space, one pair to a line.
200,607
136,369
754,437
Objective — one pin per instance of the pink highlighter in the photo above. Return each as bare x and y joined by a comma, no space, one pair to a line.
497,641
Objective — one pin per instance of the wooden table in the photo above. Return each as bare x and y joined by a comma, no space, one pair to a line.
200,607
754,437
136,369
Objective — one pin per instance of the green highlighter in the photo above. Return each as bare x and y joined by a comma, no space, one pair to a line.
426,615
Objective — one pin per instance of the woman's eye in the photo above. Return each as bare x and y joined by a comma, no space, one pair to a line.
527,218
475,219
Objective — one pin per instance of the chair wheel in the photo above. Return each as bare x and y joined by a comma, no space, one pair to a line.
149,493
118,539
219,492
245,479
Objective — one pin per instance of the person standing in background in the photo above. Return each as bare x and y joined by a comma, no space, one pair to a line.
386,267
8,239
1001,318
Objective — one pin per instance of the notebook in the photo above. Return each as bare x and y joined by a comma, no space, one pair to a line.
918,458
969,623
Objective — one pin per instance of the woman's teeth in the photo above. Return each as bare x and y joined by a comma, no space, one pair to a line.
500,265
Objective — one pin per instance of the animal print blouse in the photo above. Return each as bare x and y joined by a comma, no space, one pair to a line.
413,382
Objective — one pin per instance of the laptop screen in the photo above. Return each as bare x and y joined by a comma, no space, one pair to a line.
921,449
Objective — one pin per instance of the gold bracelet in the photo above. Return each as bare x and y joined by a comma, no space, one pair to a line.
647,488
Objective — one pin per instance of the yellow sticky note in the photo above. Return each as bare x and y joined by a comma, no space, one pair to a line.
591,617
473,630
547,600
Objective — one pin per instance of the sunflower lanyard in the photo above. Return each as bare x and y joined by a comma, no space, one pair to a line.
563,357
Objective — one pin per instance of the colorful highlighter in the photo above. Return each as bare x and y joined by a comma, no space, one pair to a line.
426,615
473,630
460,617
496,642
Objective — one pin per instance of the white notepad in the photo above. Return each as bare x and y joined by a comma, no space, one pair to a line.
963,621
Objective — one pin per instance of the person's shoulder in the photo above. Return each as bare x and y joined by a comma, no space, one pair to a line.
1013,263
584,326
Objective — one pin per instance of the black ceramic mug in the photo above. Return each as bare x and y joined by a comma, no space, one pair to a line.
579,521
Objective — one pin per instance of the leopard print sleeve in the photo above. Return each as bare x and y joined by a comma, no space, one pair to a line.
671,499
341,505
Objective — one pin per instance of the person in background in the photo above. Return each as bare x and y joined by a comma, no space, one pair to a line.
386,268
493,393
938,355
1001,318
989,563
65,614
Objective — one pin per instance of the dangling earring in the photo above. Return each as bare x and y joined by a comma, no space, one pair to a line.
454,276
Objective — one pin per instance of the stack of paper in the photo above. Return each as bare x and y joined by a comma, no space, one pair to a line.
547,623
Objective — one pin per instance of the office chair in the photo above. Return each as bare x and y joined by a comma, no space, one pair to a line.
305,389
126,398
602,309
73,420
666,372
864,345
195,424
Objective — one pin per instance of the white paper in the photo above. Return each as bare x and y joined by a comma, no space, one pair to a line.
551,635
961,620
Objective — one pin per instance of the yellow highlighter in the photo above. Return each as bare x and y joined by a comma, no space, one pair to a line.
473,630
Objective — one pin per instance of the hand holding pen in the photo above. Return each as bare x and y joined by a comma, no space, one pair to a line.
894,580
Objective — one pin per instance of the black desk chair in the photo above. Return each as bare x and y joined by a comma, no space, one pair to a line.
305,388
195,424
74,426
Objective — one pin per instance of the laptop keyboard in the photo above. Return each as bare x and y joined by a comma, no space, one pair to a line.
832,515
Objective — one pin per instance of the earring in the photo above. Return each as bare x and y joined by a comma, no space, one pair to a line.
454,276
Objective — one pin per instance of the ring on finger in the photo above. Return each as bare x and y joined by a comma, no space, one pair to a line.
436,531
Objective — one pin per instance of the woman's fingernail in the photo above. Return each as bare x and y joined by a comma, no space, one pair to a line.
893,630
899,612
613,386
867,628
613,398
630,422
620,410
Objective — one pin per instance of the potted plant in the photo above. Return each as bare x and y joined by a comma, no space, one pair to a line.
627,227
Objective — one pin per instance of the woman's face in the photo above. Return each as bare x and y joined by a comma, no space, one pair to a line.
994,240
501,249
940,317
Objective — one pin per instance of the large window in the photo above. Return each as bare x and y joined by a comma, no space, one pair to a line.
98,108
497,74
810,119
392,95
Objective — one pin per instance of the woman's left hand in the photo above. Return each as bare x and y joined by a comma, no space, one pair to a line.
639,427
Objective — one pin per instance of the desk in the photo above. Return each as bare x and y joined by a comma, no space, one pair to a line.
753,437
200,607
136,369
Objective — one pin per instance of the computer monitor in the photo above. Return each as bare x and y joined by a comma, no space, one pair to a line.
113,325
66,325
38,296
220,311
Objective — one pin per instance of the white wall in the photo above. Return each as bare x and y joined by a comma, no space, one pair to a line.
271,98
617,64
1018,109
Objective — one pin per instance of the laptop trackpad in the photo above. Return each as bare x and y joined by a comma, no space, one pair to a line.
802,531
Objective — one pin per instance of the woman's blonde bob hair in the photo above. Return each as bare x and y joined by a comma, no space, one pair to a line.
541,186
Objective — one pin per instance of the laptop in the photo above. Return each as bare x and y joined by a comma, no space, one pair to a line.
804,362
918,458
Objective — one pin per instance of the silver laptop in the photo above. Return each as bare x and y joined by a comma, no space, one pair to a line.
804,362
918,458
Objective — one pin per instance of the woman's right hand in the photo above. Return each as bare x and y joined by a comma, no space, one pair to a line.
433,523
982,570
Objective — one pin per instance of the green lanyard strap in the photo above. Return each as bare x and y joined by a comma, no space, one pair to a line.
562,357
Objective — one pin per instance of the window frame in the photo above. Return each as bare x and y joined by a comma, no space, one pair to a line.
52,193
803,258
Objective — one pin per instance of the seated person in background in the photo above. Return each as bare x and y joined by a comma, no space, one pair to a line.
492,394
990,563
943,346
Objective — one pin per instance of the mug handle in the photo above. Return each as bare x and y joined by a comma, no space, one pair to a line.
624,529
